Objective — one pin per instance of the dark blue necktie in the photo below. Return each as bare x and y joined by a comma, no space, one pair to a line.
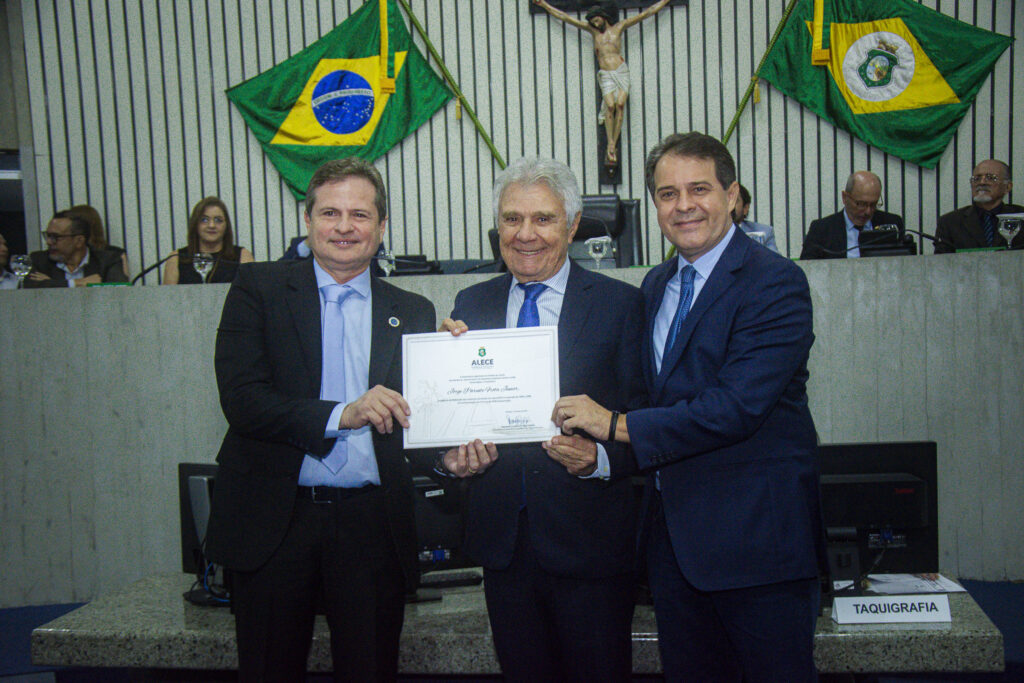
528,314
685,299
990,229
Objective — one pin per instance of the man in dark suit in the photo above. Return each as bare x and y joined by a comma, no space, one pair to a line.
732,519
977,225
838,235
68,260
313,507
553,524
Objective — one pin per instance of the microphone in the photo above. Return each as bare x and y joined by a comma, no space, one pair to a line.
932,238
165,259
151,268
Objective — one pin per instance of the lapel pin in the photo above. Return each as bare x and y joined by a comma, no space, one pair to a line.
393,321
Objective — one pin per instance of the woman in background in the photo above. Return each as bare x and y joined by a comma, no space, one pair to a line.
97,236
209,232
7,279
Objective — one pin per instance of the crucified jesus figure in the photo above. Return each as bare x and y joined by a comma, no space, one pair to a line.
602,22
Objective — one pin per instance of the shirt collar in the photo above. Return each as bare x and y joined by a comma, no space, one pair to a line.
85,259
360,283
850,226
707,262
557,282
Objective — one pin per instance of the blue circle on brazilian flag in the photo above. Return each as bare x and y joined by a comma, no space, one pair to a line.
343,102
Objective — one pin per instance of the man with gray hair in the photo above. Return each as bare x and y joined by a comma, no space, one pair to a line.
838,235
977,226
552,524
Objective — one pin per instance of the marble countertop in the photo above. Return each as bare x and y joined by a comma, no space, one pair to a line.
149,625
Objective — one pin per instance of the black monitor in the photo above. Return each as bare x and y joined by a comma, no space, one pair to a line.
880,508
195,490
886,240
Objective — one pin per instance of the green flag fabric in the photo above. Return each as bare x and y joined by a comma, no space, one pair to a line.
900,76
358,91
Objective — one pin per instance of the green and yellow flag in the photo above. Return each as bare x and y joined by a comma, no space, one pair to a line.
357,91
895,74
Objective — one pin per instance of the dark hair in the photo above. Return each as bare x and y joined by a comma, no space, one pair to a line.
97,238
695,145
227,244
79,226
609,11
745,195
337,170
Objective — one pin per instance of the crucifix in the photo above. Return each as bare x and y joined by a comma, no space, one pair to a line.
602,22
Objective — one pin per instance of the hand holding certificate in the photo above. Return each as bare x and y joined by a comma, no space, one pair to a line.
494,385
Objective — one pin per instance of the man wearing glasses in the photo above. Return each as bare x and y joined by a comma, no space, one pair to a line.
68,260
838,235
976,226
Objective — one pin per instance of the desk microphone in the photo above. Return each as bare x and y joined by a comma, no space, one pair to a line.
931,238
165,259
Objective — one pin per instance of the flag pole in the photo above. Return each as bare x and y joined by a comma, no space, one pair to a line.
754,79
750,89
460,98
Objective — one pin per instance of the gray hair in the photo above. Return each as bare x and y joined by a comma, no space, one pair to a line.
536,170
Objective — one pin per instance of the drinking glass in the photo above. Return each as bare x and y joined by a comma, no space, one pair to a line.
21,264
203,263
1009,226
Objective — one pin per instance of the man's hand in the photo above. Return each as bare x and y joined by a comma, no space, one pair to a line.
380,407
456,327
93,279
36,275
470,459
577,454
582,412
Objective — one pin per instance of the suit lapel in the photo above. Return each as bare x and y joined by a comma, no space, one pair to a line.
385,333
722,278
492,310
659,280
576,308
303,302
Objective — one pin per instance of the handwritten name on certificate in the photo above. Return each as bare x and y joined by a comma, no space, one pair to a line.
494,385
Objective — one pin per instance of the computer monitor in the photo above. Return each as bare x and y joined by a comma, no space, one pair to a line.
880,508
195,491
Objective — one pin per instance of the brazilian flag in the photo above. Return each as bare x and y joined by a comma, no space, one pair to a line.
895,74
358,91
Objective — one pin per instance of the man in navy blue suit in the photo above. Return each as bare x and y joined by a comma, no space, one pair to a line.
732,518
553,524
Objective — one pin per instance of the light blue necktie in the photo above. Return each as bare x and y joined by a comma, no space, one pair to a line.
333,378
685,299
528,314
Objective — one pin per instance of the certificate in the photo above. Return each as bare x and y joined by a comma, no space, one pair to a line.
493,385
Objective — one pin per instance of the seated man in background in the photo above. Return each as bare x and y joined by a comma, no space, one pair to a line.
68,260
739,217
838,235
976,226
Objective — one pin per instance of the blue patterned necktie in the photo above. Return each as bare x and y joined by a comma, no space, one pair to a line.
528,314
685,299
990,229
333,378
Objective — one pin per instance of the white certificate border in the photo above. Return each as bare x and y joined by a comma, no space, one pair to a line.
549,331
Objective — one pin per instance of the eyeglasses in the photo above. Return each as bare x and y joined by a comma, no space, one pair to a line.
863,206
987,177
54,237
